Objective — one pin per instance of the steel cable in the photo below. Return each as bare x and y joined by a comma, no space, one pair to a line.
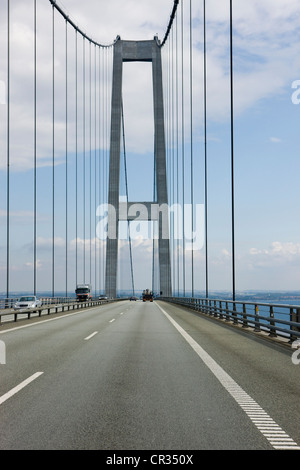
126,186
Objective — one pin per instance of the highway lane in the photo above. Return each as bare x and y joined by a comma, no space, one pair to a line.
261,367
122,376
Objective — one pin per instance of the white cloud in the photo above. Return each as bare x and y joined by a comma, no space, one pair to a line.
282,252
47,243
266,60
38,264
275,140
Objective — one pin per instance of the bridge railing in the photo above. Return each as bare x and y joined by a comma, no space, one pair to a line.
9,302
52,305
278,320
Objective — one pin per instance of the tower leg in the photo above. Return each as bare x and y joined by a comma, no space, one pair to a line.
134,51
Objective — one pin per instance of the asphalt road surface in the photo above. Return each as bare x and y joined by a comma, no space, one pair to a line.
144,376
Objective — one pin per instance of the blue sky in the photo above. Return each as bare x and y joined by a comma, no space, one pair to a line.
266,139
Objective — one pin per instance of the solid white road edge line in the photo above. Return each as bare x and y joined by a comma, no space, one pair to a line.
19,387
234,389
44,321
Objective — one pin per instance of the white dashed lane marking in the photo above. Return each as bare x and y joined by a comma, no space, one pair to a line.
91,336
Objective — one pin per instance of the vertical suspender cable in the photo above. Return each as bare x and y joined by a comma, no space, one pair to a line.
95,158
8,157
100,153
172,166
191,123
103,159
83,212
177,159
90,184
232,154
104,138
66,159
126,186
205,144
105,130
34,154
152,227
183,150
76,151
53,150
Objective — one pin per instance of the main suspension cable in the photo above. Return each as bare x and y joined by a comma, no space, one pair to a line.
172,17
126,186
67,18
84,35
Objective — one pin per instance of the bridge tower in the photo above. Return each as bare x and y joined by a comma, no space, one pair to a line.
137,51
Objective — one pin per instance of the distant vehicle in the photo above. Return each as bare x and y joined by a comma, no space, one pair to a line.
147,295
133,298
26,302
83,292
103,297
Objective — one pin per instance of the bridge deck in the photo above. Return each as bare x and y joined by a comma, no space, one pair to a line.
134,375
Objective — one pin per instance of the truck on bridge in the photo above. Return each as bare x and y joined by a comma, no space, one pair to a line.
147,295
83,292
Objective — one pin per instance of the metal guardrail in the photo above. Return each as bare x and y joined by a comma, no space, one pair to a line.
9,303
276,319
51,307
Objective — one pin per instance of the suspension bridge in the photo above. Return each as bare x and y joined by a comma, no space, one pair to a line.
105,159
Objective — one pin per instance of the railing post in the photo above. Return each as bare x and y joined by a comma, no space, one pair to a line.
272,323
257,324
215,309
245,319
294,317
220,310
227,316
235,320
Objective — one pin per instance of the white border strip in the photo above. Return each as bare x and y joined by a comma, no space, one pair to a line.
14,328
19,387
263,422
